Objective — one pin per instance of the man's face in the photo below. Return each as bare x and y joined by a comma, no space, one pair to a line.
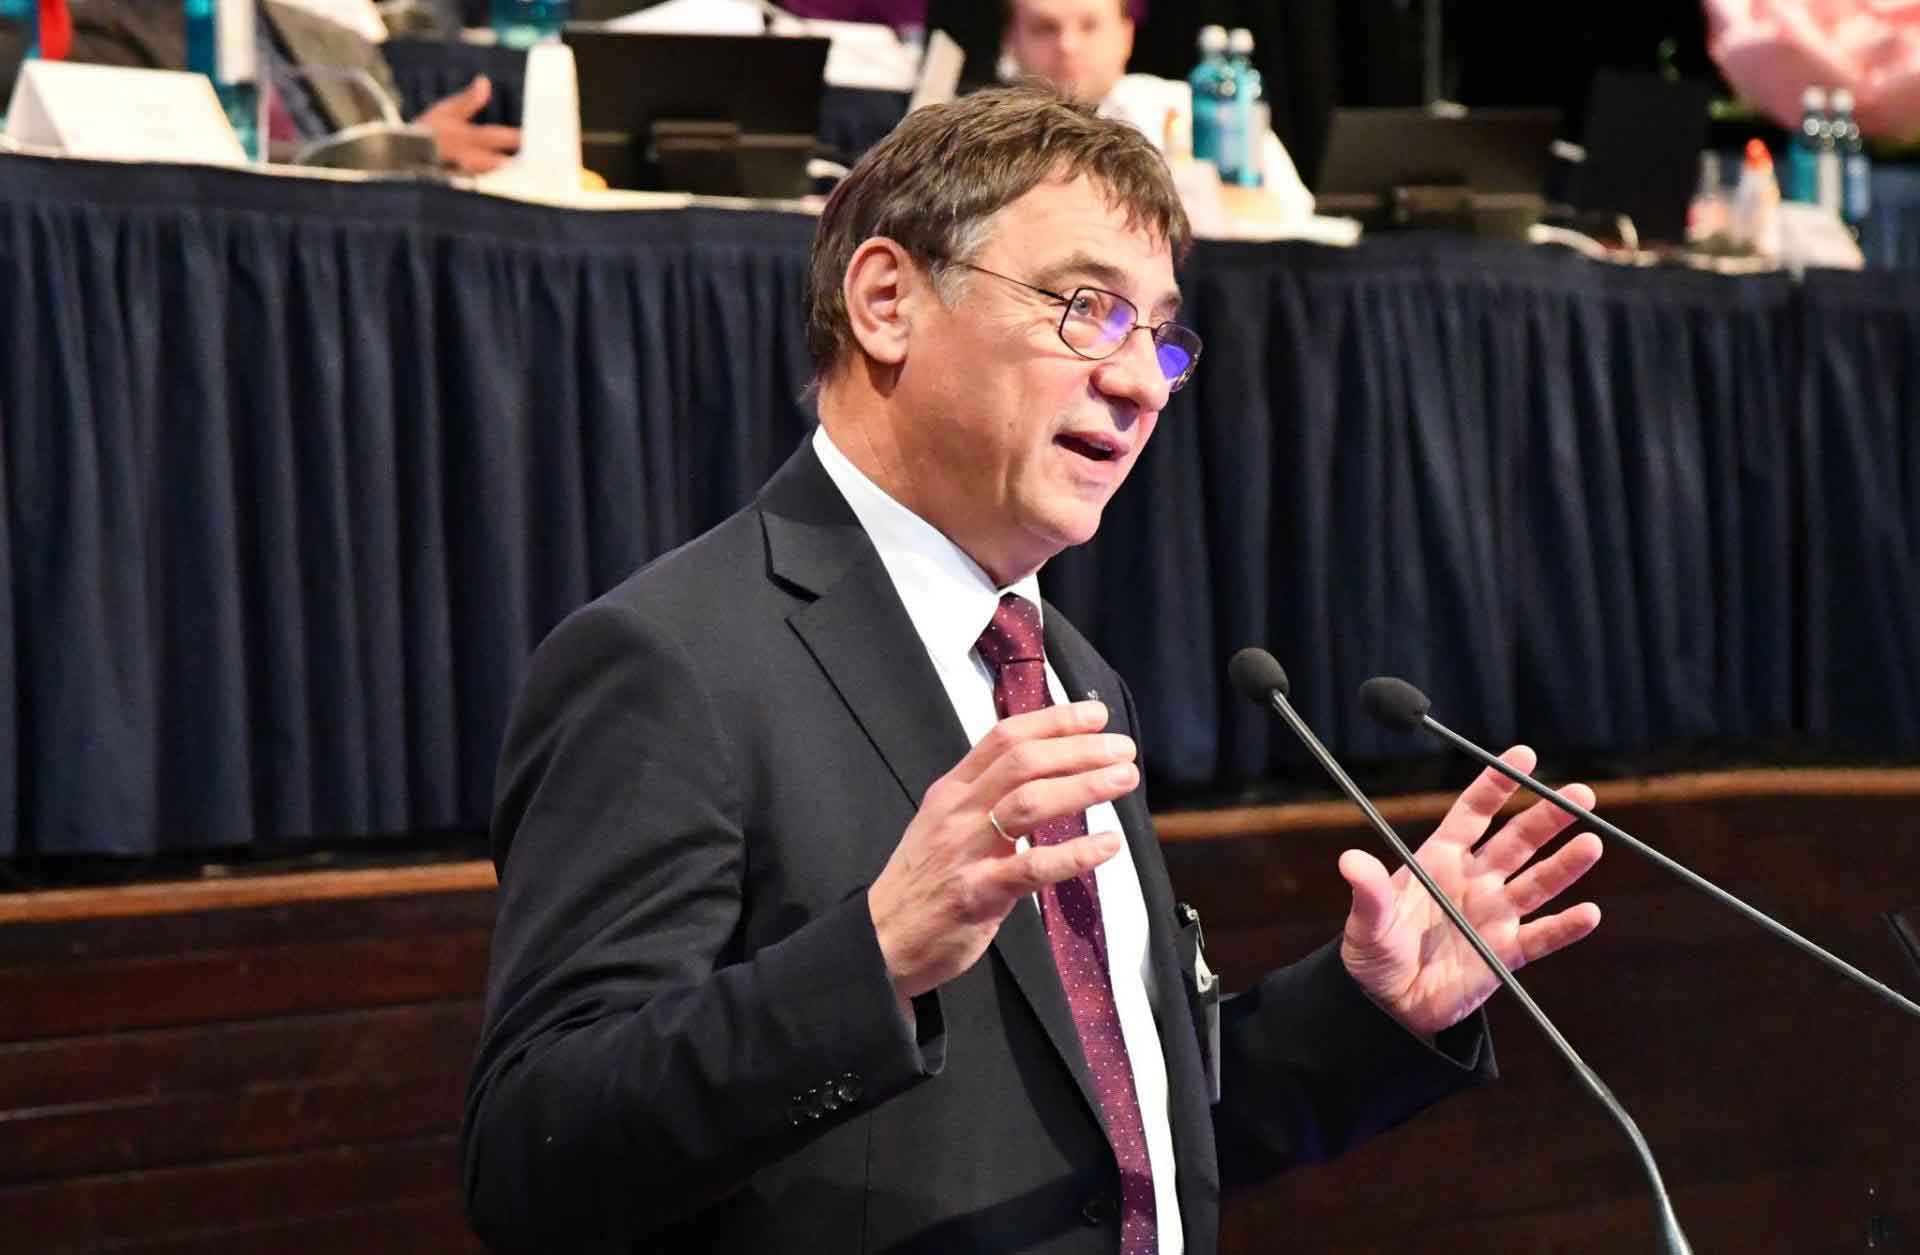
1080,46
1013,442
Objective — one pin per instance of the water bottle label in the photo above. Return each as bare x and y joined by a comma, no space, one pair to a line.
1233,146
1827,171
1206,131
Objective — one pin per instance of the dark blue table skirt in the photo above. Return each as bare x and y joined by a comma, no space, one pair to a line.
295,475
1891,236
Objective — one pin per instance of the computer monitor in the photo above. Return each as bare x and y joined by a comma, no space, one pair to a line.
1643,139
731,115
1370,152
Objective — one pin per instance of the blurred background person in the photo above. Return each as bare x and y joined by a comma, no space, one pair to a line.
1082,47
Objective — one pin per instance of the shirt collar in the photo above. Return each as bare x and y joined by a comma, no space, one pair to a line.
948,595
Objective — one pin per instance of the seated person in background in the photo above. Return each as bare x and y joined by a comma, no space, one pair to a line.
151,34
1082,46
305,55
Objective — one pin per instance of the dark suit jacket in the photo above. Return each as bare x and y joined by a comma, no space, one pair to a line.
691,1041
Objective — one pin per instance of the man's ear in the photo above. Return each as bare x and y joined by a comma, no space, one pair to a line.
879,289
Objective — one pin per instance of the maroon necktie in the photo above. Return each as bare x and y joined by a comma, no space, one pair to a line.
1011,648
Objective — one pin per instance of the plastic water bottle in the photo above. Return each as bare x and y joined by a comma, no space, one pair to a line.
1212,83
1250,113
1827,170
25,15
1803,154
221,45
524,23
1856,171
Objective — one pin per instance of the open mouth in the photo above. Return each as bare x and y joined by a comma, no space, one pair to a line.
1090,447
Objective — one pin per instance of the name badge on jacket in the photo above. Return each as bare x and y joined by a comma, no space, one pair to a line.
1206,995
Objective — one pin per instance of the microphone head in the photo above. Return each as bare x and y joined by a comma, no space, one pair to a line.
1395,703
1257,673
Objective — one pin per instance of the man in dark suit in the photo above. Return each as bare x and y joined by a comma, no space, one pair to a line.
831,914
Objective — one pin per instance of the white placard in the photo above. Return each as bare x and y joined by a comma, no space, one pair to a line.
114,113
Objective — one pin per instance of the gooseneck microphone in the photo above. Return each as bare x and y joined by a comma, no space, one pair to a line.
1396,704
1259,675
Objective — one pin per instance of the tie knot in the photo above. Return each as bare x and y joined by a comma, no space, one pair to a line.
1014,635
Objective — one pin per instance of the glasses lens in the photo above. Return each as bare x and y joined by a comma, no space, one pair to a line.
1096,322
1178,349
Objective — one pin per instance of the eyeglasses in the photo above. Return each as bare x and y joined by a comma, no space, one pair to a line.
1096,322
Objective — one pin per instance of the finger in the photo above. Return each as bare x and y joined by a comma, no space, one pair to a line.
1509,849
477,160
1372,887
1541,937
1052,758
472,98
458,106
1038,866
496,138
1040,802
1067,719
1550,877
1466,821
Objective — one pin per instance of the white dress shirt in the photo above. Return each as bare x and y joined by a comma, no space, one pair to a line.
951,600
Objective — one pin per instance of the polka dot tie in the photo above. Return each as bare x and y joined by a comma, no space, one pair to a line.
1011,648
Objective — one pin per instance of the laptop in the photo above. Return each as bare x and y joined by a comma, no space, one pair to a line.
1400,166
1643,138
718,115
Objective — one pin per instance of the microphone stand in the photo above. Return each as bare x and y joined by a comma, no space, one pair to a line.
1701,883
1675,1240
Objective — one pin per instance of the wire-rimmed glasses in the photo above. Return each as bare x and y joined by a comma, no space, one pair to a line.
1094,323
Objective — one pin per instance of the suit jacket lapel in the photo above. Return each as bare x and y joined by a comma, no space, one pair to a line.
856,627
858,631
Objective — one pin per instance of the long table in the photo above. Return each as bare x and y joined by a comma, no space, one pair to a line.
297,473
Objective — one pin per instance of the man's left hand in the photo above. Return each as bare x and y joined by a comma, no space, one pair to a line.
468,146
1401,947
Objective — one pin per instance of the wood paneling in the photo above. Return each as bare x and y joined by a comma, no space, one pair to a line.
277,1065
159,1063
249,1074
1777,1097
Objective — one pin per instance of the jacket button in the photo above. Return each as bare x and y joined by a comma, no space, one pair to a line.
849,1088
1098,1210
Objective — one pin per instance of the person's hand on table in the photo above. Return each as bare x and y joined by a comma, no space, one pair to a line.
465,145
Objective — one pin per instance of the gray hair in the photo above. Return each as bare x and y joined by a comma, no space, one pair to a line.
937,185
